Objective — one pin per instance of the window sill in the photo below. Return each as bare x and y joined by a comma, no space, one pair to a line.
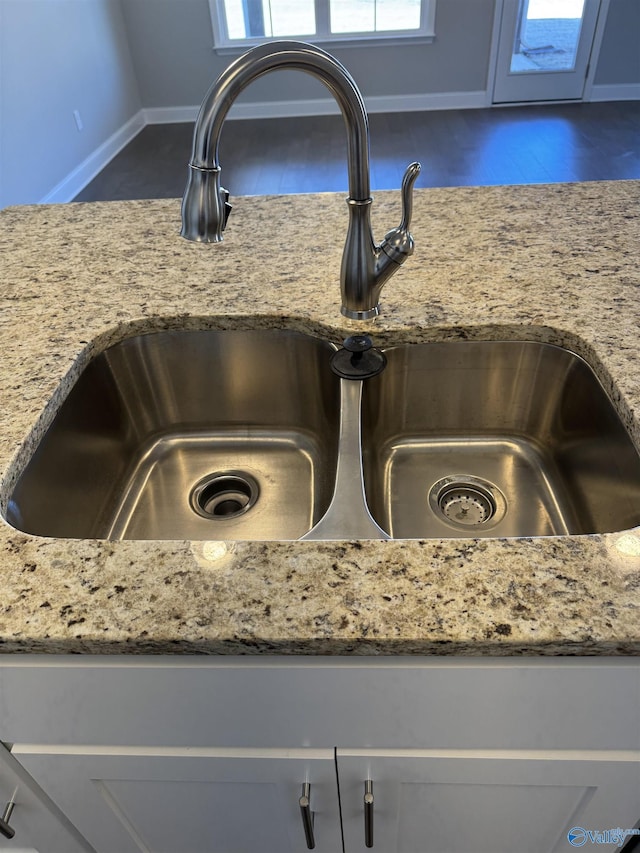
396,40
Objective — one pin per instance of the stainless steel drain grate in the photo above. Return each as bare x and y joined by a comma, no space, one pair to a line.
466,506
465,501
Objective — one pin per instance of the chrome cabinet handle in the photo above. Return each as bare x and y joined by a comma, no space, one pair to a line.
368,813
307,815
5,829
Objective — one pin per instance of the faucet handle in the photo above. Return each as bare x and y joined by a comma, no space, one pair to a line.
406,190
398,243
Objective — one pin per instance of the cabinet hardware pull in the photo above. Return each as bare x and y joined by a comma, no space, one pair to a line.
307,815
5,829
368,813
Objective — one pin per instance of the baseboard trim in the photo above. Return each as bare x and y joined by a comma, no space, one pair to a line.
69,187
169,115
85,172
616,92
326,106
77,180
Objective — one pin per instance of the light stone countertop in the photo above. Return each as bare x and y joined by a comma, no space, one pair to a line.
556,263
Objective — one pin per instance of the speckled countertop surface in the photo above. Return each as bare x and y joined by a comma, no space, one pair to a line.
554,263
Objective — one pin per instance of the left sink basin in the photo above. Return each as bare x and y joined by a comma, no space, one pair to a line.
189,435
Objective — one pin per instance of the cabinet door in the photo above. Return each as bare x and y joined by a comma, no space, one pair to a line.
37,824
494,801
127,800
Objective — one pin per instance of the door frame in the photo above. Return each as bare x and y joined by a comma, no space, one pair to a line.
593,64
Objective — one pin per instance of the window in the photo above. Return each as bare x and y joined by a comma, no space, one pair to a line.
241,23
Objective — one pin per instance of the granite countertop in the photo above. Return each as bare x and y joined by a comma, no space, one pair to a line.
556,263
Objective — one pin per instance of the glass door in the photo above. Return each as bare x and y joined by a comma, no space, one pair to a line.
544,49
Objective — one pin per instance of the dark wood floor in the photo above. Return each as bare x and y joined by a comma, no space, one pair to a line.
516,145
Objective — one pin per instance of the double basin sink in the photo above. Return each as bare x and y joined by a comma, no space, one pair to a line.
234,435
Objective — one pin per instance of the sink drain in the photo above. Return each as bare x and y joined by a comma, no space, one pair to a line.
466,502
224,495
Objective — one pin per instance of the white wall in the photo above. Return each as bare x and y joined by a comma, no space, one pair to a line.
57,56
619,60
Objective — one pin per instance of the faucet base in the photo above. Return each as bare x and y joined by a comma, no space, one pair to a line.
360,315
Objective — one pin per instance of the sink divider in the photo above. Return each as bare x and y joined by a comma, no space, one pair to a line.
348,515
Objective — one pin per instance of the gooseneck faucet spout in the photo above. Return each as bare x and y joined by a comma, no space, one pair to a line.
205,205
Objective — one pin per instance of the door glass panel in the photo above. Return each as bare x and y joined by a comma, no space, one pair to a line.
547,36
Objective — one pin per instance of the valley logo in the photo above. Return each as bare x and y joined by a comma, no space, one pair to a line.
578,837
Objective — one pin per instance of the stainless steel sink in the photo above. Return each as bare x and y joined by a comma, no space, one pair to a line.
189,435
476,439
249,435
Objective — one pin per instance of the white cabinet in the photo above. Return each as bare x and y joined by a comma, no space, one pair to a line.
127,800
485,801
193,755
144,800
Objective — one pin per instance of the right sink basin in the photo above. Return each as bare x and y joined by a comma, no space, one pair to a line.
495,438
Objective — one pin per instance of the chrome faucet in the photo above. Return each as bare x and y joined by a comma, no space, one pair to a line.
205,205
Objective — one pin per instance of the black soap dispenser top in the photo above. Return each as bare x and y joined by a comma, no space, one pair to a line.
358,359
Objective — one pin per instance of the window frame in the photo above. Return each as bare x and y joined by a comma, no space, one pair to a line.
425,34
